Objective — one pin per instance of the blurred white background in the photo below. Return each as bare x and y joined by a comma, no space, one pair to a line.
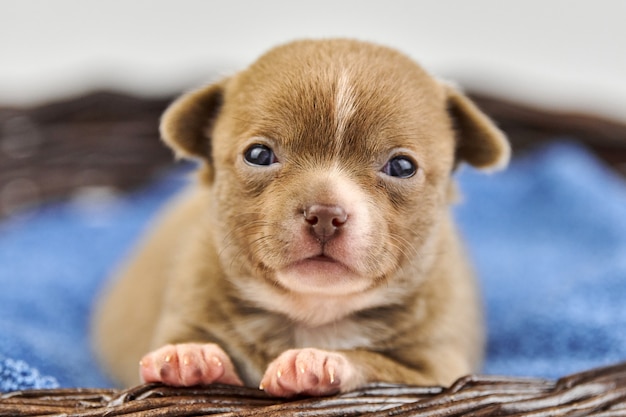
568,54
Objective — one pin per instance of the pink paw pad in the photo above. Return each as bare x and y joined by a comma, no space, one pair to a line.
188,364
306,371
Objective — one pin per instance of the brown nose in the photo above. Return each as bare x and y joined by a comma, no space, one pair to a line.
325,220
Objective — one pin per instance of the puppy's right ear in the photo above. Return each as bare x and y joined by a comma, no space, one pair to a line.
187,124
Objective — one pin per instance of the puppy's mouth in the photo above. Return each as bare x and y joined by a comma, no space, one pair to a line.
321,258
321,263
320,274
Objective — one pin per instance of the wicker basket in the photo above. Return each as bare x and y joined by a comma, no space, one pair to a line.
600,392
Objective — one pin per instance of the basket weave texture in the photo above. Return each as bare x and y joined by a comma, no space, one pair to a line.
599,392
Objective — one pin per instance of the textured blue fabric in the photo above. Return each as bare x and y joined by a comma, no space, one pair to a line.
17,374
53,261
548,237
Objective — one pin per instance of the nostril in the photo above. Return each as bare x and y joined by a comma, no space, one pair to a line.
339,216
312,220
338,222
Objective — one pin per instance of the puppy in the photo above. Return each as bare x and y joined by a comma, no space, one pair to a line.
316,251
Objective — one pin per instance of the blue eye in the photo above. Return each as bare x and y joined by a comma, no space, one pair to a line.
260,155
400,167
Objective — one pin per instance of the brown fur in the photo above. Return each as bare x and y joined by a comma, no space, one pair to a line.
213,268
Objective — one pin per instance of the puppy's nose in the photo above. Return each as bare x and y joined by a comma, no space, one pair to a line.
325,220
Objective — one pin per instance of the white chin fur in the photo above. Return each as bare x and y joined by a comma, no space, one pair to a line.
319,277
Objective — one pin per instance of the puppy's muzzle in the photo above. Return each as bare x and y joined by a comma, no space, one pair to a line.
325,221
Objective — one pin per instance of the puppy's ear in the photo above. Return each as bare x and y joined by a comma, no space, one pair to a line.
187,124
479,142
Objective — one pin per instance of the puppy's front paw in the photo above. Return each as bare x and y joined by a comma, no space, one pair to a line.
308,371
188,364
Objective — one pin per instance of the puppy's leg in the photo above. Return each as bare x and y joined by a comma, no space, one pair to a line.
188,364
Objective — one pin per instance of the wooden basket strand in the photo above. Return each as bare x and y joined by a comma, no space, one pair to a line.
599,392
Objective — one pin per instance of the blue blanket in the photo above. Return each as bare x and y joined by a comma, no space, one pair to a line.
548,237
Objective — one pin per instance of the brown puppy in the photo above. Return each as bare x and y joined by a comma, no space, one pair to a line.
316,252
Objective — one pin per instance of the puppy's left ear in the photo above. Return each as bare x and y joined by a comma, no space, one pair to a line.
479,142
187,124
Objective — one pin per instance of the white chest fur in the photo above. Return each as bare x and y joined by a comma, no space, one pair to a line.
347,334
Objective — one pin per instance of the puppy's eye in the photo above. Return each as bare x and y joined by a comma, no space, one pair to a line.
400,166
259,155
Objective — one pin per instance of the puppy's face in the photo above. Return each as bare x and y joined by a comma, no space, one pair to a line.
330,163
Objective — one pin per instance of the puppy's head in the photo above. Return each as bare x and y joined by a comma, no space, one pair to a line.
329,162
